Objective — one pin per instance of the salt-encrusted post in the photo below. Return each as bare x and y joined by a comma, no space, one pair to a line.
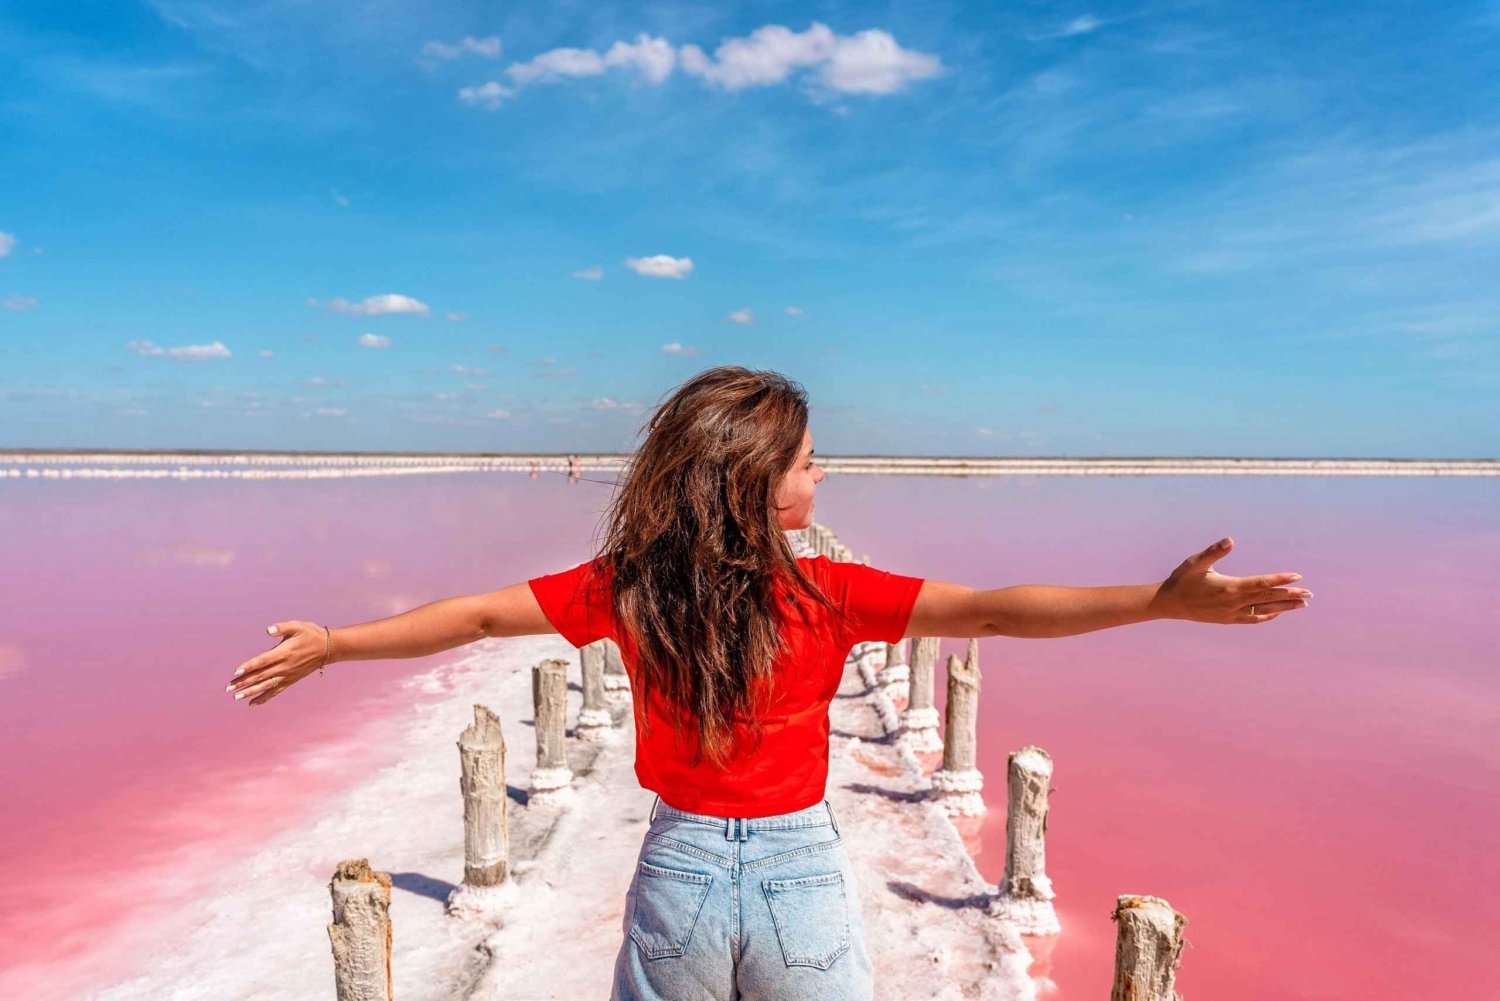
919,720
1025,893
1148,948
549,695
895,677
481,756
615,678
361,932
958,782
595,722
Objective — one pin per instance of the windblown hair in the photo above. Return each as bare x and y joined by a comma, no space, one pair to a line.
697,552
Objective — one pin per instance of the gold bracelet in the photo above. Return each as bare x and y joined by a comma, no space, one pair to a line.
328,650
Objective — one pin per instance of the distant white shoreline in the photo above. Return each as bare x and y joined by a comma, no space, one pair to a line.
123,464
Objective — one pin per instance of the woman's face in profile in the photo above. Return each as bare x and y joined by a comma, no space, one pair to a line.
794,500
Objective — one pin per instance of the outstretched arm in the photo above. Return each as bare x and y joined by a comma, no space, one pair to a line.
304,647
1193,593
442,625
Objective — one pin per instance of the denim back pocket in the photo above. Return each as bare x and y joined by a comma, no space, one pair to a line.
812,918
667,903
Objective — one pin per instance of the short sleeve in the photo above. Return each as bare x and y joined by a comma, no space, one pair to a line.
577,603
878,603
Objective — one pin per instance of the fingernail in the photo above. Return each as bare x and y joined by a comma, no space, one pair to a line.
228,688
1223,543
239,672
1296,576
238,696
271,630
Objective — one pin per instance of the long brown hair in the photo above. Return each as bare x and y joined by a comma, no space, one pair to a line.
696,550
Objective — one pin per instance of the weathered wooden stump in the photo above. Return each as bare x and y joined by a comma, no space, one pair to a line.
919,720
481,755
595,721
1148,948
958,783
1025,893
361,932
895,677
616,681
549,694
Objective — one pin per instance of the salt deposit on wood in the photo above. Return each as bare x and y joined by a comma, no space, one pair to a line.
361,932
895,676
549,688
616,681
1148,948
919,720
957,784
595,720
1025,893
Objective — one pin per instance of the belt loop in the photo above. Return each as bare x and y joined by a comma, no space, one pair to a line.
832,819
744,828
729,829
654,804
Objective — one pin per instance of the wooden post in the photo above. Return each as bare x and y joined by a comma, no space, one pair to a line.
958,782
361,932
549,695
1025,893
1148,948
616,681
919,720
481,755
895,677
595,721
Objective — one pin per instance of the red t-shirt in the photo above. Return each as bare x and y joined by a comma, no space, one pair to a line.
789,770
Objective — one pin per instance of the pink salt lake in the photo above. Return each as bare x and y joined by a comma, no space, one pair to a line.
1317,795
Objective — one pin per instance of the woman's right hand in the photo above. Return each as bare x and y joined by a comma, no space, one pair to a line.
300,651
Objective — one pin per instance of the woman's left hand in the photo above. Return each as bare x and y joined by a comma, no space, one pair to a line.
1196,593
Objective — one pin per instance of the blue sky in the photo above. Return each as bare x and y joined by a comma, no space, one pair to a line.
979,229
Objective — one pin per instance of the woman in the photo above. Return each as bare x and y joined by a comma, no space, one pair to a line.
734,648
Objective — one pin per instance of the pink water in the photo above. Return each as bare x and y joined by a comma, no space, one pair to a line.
1317,795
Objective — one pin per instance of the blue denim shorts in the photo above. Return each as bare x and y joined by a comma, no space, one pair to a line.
743,909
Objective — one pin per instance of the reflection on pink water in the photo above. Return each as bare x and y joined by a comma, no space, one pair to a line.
1313,794
126,607
1317,795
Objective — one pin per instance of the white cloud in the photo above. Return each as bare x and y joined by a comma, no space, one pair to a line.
485,95
469,370
653,58
1081,25
188,352
766,56
318,382
374,341
457,317
871,62
498,414
660,266
609,403
19,302
488,47
742,316
557,64
377,304
675,348
7,243
794,311
265,354
329,412
592,274
868,62
340,199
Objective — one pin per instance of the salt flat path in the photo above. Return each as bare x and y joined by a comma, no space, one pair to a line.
256,926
